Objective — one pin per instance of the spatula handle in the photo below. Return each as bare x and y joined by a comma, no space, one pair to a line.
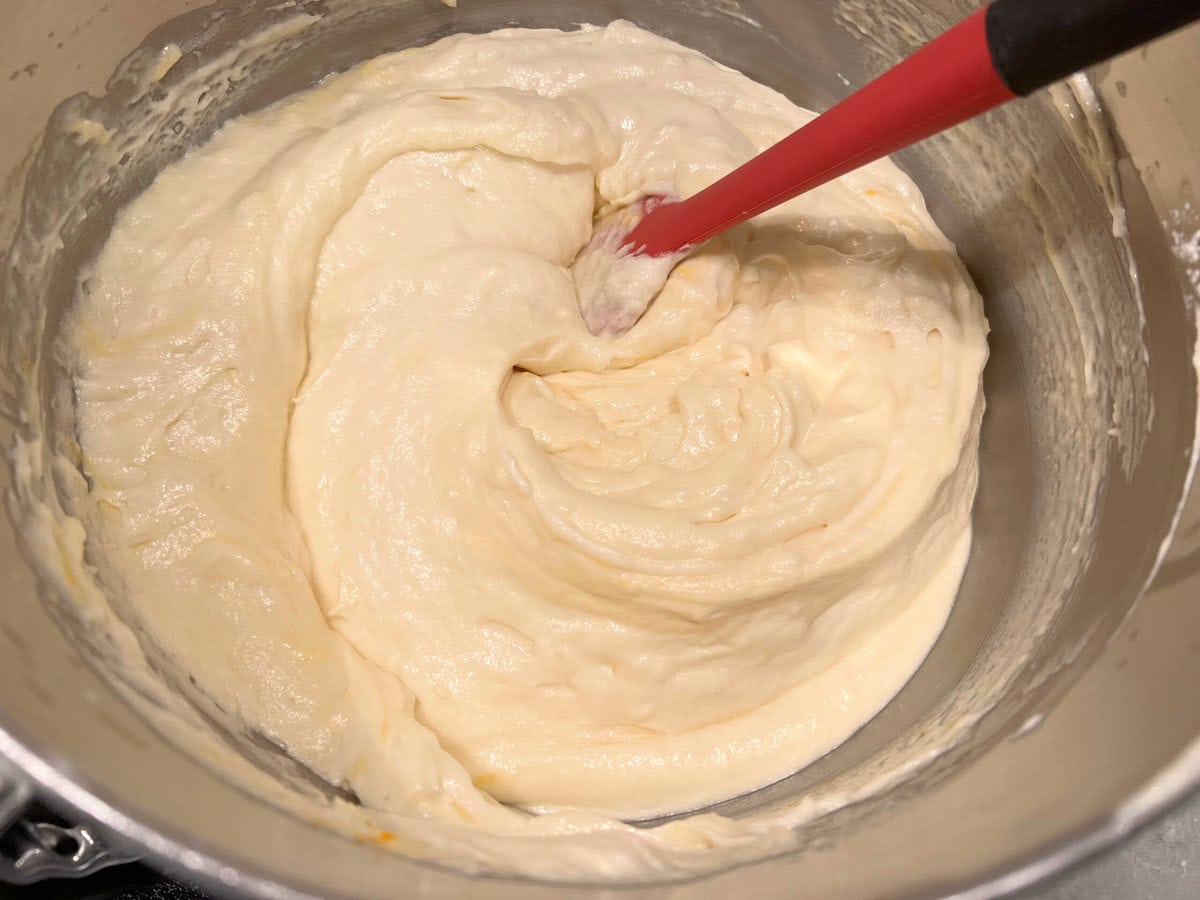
1004,50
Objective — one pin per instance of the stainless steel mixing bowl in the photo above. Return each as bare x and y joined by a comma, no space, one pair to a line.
1074,683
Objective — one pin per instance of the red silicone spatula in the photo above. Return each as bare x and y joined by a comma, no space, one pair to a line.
1007,49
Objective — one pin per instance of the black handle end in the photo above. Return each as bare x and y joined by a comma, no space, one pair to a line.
1037,42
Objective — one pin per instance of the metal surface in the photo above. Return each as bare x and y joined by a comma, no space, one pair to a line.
43,850
32,849
1161,862
1087,724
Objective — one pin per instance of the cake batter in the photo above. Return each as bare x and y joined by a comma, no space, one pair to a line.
358,467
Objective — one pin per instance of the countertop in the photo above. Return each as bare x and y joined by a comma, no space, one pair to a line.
1159,862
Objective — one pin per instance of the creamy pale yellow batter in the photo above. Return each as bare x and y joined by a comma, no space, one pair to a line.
358,467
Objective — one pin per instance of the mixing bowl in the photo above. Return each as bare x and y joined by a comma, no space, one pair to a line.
1056,713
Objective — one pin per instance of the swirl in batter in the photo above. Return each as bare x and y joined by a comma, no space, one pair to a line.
358,468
